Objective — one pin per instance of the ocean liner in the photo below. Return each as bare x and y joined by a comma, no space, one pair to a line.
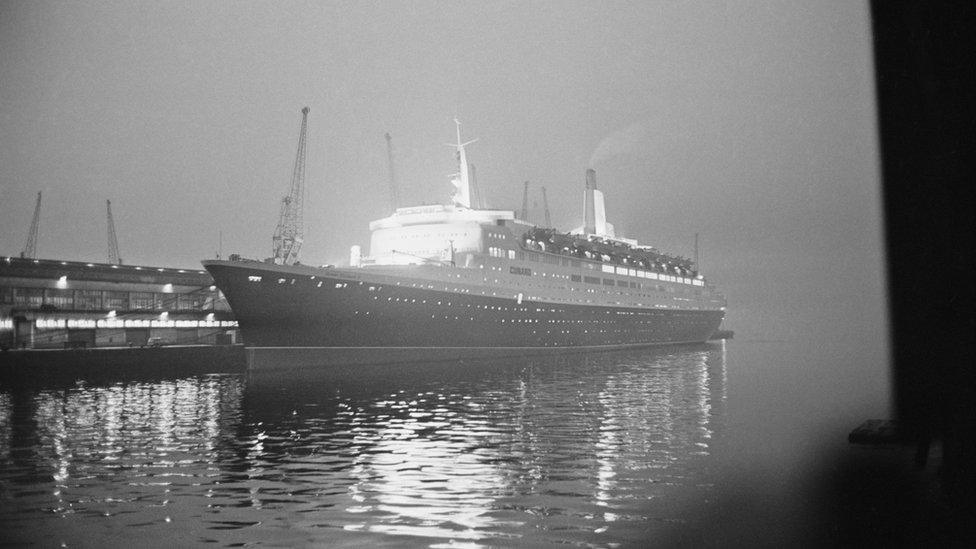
454,281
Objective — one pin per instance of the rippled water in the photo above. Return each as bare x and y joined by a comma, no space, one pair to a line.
602,450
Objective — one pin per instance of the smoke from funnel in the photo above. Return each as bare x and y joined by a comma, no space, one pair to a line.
622,142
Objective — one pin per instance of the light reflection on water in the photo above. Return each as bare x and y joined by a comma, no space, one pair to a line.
581,449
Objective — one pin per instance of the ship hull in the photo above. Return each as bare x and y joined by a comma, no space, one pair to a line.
289,316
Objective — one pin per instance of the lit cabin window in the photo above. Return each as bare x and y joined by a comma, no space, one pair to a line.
607,268
253,278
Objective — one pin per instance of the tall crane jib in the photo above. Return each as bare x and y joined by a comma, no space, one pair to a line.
290,232
30,248
113,242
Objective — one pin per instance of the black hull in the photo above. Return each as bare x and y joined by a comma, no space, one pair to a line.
288,308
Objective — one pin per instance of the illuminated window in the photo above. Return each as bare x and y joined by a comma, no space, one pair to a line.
87,300
62,299
115,300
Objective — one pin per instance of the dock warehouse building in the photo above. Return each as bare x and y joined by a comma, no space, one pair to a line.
48,303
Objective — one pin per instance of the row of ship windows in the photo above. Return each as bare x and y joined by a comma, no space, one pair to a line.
428,236
656,322
667,323
607,282
494,251
627,271
522,271
340,285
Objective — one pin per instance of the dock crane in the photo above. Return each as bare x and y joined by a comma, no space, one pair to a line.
545,204
30,249
290,232
113,242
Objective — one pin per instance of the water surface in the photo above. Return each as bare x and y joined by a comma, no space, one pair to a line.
611,449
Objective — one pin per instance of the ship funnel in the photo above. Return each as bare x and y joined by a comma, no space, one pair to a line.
594,210
589,213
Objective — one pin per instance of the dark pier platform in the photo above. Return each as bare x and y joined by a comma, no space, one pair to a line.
121,363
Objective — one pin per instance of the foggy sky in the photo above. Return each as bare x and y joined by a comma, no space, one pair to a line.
752,123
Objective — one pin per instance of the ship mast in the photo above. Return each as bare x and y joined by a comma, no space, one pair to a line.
545,205
393,181
697,258
462,179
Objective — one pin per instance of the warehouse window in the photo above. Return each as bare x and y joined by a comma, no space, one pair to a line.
140,300
62,299
115,300
88,300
